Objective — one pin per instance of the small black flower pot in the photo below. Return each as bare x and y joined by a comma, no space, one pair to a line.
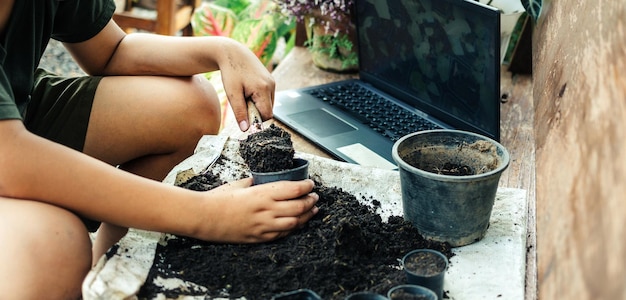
365,296
300,171
410,291
427,268
301,294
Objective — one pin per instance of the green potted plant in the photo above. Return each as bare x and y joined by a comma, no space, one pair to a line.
331,32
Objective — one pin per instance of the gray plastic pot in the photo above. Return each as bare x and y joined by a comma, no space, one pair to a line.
396,292
300,171
449,208
427,268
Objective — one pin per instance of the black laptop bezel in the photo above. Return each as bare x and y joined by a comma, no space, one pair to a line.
438,113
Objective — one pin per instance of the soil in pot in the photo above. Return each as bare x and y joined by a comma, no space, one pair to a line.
469,159
405,295
425,264
269,150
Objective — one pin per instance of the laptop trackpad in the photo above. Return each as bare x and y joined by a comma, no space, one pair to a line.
321,122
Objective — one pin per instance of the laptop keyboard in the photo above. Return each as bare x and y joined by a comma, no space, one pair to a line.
387,118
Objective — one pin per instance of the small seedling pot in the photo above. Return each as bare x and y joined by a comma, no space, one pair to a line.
427,268
449,179
300,294
365,296
410,291
300,171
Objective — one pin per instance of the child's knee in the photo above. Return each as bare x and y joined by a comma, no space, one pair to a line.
207,105
49,248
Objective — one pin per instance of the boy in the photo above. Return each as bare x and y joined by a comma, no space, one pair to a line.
75,152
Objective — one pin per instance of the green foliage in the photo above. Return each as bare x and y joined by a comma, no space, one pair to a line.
236,6
336,47
255,34
533,8
214,20
254,23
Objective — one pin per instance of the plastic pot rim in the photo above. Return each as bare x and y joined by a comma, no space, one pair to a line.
299,164
404,165
411,286
438,253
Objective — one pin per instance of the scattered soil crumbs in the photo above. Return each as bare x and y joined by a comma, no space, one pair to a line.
269,150
345,248
453,170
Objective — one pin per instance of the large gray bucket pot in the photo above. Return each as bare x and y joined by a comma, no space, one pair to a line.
449,208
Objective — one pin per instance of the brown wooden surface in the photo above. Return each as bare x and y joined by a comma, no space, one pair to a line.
579,58
170,17
297,70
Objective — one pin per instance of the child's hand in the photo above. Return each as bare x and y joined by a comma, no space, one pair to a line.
245,77
242,213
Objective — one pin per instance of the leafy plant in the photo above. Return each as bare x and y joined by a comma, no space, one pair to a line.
336,47
214,20
329,27
334,11
237,6
533,8
253,23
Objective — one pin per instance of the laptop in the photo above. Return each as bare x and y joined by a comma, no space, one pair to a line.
423,64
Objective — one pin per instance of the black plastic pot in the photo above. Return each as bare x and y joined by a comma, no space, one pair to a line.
446,207
411,289
300,171
301,294
427,268
365,296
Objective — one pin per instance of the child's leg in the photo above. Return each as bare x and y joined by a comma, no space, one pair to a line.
45,251
147,125
107,235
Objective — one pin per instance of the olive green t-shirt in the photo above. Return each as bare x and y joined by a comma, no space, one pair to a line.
31,25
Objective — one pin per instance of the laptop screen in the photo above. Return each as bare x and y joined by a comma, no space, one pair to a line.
439,56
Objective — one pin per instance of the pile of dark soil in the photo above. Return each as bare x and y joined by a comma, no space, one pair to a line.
269,150
345,248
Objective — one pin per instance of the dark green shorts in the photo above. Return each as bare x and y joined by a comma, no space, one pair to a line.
59,110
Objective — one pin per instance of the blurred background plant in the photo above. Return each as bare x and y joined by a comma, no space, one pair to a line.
255,23
331,14
330,31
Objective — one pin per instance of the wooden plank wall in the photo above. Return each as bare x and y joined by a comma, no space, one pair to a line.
579,75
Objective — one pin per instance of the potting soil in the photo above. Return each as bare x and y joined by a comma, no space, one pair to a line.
345,248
